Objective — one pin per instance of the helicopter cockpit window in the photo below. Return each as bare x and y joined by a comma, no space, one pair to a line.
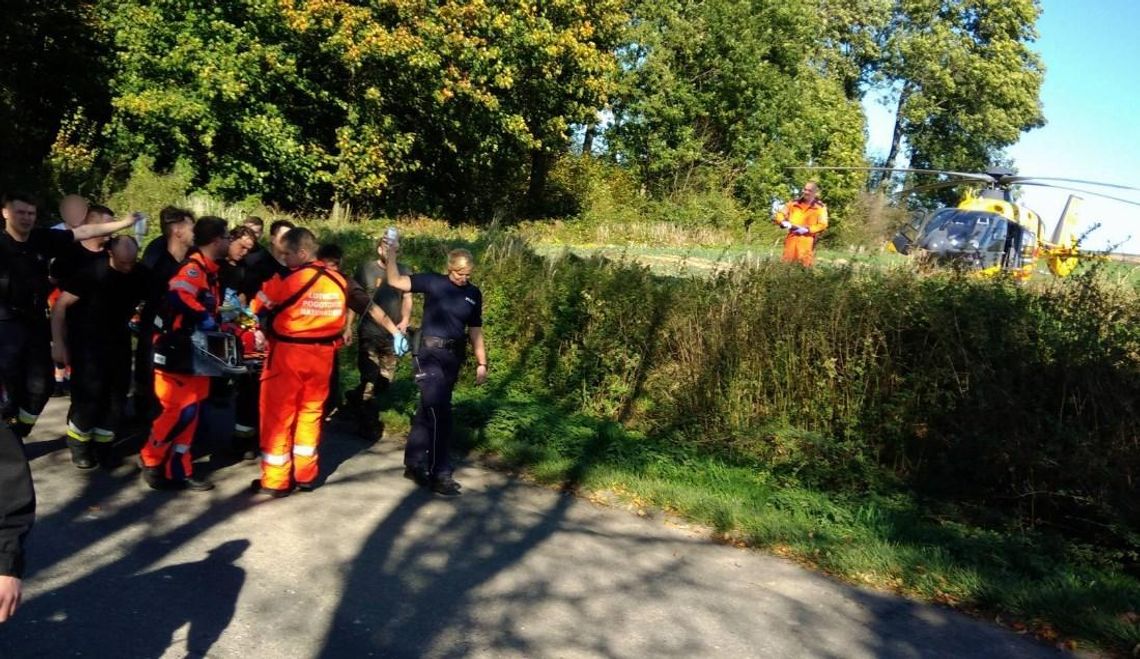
954,230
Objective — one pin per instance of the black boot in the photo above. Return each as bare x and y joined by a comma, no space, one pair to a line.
154,479
445,485
82,454
419,474
199,484
21,429
105,455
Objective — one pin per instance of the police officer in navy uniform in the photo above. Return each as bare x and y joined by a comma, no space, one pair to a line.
25,334
452,318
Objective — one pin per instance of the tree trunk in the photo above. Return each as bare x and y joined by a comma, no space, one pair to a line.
539,168
588,139
896,137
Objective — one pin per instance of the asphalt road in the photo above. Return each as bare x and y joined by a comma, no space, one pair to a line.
369,565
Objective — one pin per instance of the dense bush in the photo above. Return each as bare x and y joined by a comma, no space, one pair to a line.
1019,399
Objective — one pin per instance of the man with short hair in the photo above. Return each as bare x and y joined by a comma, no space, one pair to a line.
161,259
305,321
388,314
80,253
262,265
25,334
90,333
804,218
74,258
191,304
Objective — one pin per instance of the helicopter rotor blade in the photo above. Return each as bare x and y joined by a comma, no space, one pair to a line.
906,170
1132,202
940,185
1008,180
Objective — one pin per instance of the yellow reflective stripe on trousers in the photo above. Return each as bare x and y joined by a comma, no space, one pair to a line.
104,436
275,459
243,431
305,451
75,433
24,416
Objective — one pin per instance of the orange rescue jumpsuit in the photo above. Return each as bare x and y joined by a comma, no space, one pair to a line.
813,217
192,296
307,316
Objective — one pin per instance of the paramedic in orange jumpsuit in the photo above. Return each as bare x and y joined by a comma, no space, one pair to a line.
804,218
305,321
191,304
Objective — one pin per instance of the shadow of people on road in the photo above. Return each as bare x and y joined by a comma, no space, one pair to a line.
135,615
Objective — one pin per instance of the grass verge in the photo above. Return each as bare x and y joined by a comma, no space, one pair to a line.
1031,581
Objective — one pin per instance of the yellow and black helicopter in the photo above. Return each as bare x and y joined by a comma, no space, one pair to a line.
988,230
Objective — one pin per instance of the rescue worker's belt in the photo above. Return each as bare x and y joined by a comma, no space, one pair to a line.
442,343
309,340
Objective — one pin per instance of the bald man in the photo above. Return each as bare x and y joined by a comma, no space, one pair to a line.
90,333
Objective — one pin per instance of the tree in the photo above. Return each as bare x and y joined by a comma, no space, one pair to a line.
733,90
478,95
51,72
966,84
223,85
418,106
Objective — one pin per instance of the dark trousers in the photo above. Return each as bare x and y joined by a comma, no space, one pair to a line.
429,442
146,405
17,503
26,368
100,383
246,415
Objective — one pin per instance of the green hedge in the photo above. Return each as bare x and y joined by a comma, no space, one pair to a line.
1010,398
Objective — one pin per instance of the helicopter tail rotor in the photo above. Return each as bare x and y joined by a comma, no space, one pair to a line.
1063,251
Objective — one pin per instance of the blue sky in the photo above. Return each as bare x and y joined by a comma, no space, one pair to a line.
1091,97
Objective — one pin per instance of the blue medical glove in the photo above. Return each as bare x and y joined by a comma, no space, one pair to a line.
785,225
208,324
801,231
400,344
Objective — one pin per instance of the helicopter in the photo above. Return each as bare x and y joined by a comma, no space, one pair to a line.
988,231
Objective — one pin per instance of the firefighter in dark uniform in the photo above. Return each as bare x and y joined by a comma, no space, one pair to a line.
231,281
259,266
64,267
90,333
452,318
25,334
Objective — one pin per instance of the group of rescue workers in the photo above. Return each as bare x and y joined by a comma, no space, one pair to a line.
211,311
